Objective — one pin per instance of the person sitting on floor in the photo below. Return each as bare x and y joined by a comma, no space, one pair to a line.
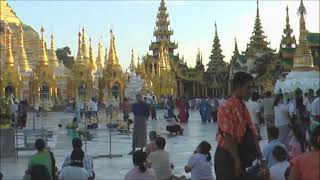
72,125
200,164
174,126
278,170
151,146
140,171
75,170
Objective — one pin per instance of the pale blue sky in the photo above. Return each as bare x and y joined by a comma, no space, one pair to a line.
133,23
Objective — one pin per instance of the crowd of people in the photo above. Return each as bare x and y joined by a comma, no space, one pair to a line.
292,151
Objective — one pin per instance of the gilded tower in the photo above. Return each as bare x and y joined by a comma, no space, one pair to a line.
302,59
112,84
10,77
162,32
22,56
43,83
80,83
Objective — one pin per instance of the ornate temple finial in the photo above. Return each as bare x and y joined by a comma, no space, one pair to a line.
215,27
79,58
84,46
132,63
106,58
287,40
236,50
302,58
99,57
43,49
92,64
53,60
198,59
10,60
112,58
22,59
201,58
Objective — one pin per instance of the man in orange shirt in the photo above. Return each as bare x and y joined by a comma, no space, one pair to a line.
234,125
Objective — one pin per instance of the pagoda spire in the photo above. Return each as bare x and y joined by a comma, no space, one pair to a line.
198,59
106,58
257,40
10,60
112,58
302,58
99,57
287,39
84,46
92,65
53,60
132,63
43,51
236,50
162,32
23,60
79,58
216,56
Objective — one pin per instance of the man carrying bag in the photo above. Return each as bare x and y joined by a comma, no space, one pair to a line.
237,143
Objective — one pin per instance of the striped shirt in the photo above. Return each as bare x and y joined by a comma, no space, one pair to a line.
87,163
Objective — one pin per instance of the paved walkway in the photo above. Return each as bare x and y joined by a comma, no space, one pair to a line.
180,147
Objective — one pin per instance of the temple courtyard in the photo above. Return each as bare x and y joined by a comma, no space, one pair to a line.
180,147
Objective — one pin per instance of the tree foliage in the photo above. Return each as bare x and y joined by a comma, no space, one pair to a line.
64,55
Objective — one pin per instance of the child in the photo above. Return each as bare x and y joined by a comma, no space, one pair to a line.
73,125
200,164
278,170
151,146
297,143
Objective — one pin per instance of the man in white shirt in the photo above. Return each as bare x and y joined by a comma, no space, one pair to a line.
315,107
268,114
254,111
160,161
308,100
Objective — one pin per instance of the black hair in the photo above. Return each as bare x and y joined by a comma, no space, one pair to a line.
152,135
160,142
77,156
273,132
299,136
311,91
279,153
255,96
139,158
74,119
76,143
315,137
204,148
240,79
40,144
39,172
278,98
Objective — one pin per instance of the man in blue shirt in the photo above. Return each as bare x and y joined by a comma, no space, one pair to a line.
141,112
273,135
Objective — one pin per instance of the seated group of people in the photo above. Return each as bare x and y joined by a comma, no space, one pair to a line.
298,160
155,164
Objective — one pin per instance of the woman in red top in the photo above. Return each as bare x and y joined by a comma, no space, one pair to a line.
182,111
307,166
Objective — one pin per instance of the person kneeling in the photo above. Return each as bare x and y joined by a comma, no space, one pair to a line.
174,126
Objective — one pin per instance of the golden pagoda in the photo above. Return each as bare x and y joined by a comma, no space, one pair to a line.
99,62
10,83
22,56
43,84
92,64
52,57
302,59
113,82
80,83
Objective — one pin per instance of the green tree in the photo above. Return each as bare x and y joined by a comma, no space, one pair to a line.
64,55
